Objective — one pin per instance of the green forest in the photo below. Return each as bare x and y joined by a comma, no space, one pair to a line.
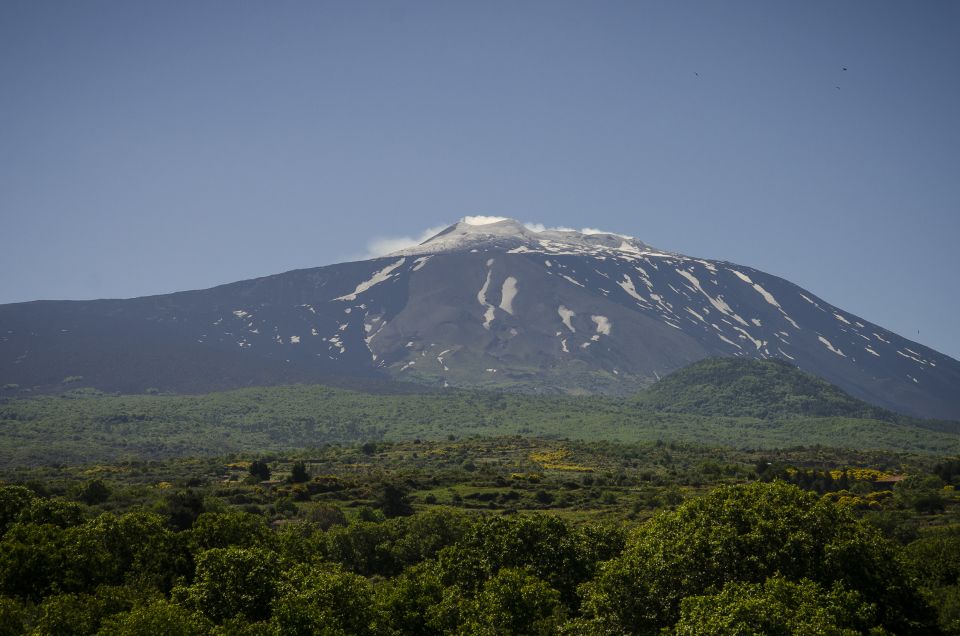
724,402
512,535
313,510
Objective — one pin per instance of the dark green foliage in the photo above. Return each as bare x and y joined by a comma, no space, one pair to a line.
232,582
260,470
158,617
923,493
93,492
241,562
58,512
777,606
30,560
546,546
946,600
422,536
82,614
750,533
225,529
766,389
181,508
69,615
319,599
935,562
935,559
408,604
513,602
12,617
298,473
948,471
13,500
364,547
394,500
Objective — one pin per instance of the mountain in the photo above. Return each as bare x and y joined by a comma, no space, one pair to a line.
489,303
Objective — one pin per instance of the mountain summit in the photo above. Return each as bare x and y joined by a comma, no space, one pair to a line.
501,233
488,302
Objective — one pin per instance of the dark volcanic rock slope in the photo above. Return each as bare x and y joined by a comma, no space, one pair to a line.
481,304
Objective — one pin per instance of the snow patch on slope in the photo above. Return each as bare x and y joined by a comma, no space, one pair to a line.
565,316
488,315
627,285
507,293
717,302
603,324
829,345
376,279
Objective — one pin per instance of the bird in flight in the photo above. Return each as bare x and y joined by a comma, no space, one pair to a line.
844,68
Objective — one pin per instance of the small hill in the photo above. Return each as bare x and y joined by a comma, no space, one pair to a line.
765,389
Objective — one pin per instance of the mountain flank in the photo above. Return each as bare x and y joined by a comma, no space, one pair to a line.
488,303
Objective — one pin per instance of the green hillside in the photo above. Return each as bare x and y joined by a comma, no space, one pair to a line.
766,389
733,403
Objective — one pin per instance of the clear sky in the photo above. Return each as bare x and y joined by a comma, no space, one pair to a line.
150,147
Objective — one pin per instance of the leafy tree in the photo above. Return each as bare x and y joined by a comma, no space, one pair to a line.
232,582
297,542
158,617
315,599
111,549
298,473
545,545
12,617
749,533
923,493
777,606
364,547
58,512
260,470
326,516
181,508
81,614
226,529
900,526
406,603
946,600
935,559
69,615
30,560
394,500
93,492
423,535
13,500
514,602
948,471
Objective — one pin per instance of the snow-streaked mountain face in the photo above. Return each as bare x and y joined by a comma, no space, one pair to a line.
485,303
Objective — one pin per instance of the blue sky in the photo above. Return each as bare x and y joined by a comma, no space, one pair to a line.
150,147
